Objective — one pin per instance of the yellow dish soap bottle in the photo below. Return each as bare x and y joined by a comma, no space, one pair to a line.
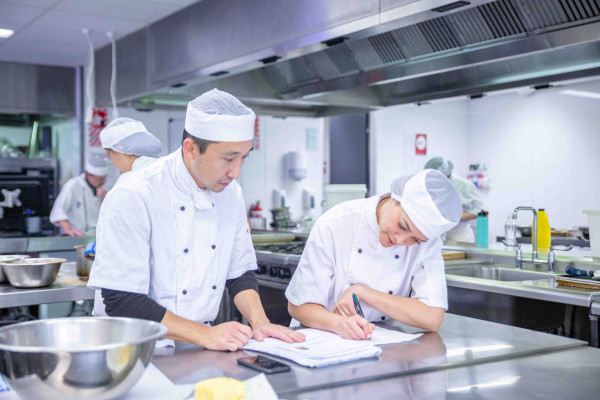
543,232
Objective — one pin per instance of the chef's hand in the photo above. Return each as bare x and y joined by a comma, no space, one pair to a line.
345,304
74,232
279,332
354,327
227,336
101,193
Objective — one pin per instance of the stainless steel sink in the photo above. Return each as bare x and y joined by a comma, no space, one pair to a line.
498,273
496,307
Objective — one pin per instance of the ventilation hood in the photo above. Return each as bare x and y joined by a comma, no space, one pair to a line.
317,58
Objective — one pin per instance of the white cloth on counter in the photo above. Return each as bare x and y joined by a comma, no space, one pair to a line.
471,203
77,204
322,348
161,235
343,249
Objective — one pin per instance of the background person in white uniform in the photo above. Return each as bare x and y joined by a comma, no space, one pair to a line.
469,198
129,145
387,250
175,235
77,206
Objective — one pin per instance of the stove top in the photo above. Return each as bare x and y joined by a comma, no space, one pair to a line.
287,248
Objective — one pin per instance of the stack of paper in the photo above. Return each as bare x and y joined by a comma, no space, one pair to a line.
323,348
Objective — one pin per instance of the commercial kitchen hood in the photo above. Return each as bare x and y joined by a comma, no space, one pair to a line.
326,57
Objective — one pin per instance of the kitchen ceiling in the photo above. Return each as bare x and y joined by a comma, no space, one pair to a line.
49,32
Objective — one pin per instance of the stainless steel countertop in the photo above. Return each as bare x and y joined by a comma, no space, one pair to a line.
461,341
567,374
42,244
67,287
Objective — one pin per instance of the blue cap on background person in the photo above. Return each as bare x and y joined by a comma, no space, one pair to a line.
441,164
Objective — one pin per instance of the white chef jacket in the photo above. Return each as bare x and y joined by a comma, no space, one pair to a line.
343,249
161,235
77,204
138,164
471,202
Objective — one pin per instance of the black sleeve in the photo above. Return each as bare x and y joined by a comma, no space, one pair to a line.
133,305
244,282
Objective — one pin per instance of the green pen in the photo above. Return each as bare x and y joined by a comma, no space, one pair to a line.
357,305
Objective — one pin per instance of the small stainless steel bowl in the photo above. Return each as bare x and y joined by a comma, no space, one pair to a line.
76,358
32,272
9,258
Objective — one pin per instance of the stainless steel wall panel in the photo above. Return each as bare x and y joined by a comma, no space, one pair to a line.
36,89
197,37
412,41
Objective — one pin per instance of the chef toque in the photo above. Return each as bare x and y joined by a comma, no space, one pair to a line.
220,117
128,136
442,165
96,166
430,200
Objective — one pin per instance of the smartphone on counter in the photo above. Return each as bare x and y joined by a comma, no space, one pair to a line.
263,364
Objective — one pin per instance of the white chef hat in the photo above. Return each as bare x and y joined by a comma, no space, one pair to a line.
96,166
441,164
220,117
430,200
128,136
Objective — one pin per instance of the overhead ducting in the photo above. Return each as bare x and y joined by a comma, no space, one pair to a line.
363,56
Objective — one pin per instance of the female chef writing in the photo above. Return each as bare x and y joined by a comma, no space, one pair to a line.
386,250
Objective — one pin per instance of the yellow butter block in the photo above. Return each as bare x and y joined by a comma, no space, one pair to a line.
220,389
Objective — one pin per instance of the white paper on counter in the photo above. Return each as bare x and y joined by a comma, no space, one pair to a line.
382,336
322,348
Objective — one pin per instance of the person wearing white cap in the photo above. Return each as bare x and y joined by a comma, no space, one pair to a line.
129,145
469,198
385,249
175,235
77,206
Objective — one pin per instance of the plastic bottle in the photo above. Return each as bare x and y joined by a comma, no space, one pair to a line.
510,230
482,229
543,232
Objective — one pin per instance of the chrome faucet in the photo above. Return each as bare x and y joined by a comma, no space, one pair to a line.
551,255
518,255
534,255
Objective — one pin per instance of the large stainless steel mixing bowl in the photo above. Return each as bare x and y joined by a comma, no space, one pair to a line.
76,358
9,258
32,272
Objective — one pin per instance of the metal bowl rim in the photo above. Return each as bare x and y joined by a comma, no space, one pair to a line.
162,330
36,264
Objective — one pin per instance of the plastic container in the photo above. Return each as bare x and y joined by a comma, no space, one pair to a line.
594,225
482,229
543,232
510,230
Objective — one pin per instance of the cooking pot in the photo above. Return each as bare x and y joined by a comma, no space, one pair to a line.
83,264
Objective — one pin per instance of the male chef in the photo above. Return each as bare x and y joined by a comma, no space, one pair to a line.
175,235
